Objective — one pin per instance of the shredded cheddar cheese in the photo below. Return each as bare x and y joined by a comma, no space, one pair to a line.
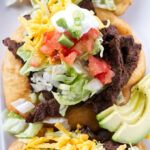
66,141
147,137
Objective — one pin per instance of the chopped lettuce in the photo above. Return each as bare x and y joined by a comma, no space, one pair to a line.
26,69
98,47
13,115
63,109
16,125
76,94
105,4
24,54
63,73
31,131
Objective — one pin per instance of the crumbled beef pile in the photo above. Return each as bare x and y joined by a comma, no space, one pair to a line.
122,54
12,46
103,136
42,110
87,4
47,95
27,17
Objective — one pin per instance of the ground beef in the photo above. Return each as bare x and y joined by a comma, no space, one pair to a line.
42,110
122,54
110,145
27,17
103,136
12,46
47,95
87,4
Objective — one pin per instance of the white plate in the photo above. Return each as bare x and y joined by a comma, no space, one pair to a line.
138,16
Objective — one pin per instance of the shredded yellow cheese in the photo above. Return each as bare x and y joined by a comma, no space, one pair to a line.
66,141
147,137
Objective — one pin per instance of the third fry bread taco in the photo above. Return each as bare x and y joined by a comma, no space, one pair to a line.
117,7
64,65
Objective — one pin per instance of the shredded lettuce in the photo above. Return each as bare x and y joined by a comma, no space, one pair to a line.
105,4
63,73
63,109
31,131
17,125
133,148
26,69
75,94
14,123
120,99
13,115
24,54
98,47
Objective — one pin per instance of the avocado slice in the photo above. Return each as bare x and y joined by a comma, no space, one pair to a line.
131,123
111,122
115,119
64,40
133,133
105,113
128,108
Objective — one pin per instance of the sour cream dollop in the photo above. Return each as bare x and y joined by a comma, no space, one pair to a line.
88,22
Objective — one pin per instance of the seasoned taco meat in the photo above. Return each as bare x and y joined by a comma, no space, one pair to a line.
103,136
12,46
43,110
87,4
122,54
47,95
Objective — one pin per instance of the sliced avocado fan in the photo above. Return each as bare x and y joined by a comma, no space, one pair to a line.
131,122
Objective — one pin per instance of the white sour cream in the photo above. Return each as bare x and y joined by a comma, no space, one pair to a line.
88,22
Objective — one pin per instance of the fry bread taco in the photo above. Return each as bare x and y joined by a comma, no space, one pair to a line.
70,81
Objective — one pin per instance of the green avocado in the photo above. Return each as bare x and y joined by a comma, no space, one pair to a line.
131,122
64,40
115,119
133,133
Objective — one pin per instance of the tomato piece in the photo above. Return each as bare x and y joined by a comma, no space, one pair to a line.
45,49
97,66
35,61
105,78
93,33
70,58
48,36
88,44
79,47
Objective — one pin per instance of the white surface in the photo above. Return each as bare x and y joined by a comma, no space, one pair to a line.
138,16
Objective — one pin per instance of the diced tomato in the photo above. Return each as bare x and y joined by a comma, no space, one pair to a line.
93,33
45,49
70,58
105,78
35,61
88,44
79,47
97,66
50,43
48,36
